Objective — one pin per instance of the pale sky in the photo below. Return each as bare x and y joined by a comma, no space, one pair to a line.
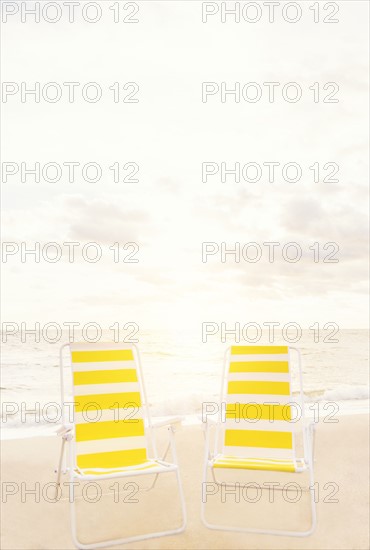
169,133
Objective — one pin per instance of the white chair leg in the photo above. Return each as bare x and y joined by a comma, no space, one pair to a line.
263,531
182,502
59,470
103,544
157,475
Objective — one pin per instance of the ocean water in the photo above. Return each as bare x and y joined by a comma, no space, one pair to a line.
180,372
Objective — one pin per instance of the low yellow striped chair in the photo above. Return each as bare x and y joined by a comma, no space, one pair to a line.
112,426
256,427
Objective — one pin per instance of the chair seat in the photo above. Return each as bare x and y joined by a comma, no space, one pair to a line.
147,465
269,464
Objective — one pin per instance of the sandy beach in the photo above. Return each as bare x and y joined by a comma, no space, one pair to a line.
342,458
181,178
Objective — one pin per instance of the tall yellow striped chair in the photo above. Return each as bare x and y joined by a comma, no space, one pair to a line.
112,431
258,425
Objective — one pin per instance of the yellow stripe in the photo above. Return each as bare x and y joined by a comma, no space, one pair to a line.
113,459
255,350
102,355
251,464
258,438
259,366
104,376
107,401
268,388
253,411
107,430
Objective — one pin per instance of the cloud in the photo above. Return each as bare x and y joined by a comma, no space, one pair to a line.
302,215
104,222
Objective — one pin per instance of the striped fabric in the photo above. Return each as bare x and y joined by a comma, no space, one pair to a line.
148,465
107,408
223,461
257,433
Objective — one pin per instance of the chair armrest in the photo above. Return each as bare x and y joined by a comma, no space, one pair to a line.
170,422
310,427
208,423
65,431
309,434
211,420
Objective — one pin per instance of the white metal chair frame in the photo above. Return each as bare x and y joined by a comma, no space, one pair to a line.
67,434
308,451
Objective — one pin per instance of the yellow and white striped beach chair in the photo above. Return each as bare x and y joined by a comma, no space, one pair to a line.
257,425
112,429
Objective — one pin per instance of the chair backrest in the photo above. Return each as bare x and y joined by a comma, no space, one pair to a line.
109,406
257,392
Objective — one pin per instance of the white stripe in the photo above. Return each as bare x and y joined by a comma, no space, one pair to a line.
119,387
107,415
260,376
262,357
108,445
246,398
258,452
106,365
148,464
264,425
227,458
99,346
